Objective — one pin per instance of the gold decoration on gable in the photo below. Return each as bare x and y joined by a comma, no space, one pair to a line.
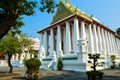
66,9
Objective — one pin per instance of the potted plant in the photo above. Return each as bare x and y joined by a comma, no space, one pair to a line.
94,74
59,64
113,57
33,65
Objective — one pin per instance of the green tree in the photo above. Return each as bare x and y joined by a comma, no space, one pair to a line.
26,43
11,10
118,31
12,44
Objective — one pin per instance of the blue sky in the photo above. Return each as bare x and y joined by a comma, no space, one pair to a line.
106,11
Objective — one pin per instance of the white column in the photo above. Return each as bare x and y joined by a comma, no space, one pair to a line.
91,41
41,40
51,42
103,39
83,33
76,35
59,41
117,45
107,49
68,39
45,43
95,38
113,43
112,50
83,38
110,43
100,40
41,45
107,44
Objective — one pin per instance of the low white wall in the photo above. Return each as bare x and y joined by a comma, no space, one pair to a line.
3,63
45,63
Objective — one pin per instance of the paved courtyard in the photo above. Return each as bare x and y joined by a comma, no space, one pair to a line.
60,75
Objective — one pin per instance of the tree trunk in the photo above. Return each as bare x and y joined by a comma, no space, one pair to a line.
9,63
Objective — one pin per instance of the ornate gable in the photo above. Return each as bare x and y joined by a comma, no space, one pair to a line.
62,11
66,9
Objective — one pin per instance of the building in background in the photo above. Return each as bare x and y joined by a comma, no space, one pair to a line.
72,35
17,60
3,61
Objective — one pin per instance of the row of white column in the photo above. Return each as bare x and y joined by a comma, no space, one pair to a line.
100,40
103,41
44,39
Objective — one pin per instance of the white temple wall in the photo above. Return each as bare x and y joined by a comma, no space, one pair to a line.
100,40
72,37
64,41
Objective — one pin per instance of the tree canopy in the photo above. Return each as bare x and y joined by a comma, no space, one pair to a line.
12,10
12,44
118,31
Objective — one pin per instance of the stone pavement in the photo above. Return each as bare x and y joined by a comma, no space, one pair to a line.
60,75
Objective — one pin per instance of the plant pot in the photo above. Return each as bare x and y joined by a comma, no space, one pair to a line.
94,75
60,68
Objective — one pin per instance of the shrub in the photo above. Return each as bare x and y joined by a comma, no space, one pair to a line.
60,64
94,75
94,57
32,65
113,57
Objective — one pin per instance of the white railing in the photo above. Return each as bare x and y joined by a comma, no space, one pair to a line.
52,65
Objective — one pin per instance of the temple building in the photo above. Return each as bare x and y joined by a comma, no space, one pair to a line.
72,35
17,59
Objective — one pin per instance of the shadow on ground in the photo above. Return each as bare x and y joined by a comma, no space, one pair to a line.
111,77
63,75
3,72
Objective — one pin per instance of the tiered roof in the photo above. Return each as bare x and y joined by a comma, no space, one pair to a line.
66,9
